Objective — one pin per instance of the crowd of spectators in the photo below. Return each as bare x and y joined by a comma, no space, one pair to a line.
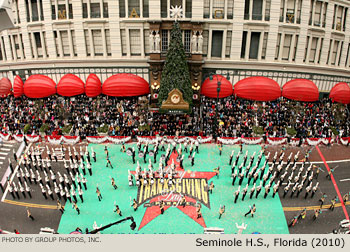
86,116
280,118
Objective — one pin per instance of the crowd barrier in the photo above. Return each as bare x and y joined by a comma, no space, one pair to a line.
56,139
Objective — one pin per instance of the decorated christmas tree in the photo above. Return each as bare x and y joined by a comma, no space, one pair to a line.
175,72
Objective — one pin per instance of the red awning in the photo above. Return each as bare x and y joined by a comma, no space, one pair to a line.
125,84
93,86
209,87
340,93
5,87
70,85
300,90
39,86
257,88
17,86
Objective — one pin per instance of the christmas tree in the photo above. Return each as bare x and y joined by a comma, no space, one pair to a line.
175,72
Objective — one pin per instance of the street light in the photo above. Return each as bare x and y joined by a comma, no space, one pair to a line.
218,89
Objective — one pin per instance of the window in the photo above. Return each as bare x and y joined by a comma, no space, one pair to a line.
56,43
282,11
205,42
165,40
317,14
1,57
188,12
246,9
230,6
74,43
295,47
17,47
334,14
339,18
145,8
146,41
278,45
218,9
257,10
11,49
319,56
345,14
123,41
254,45
346,61
70,9
24,55
313,49
334,52
37,39
329,50
135,45
85,10
134,8
244,44
267,10
4,48
264,46
325,6
98,42
300,3
95,11
187,40
216,44
108,42
206,9
62,11
122,8
228,44
163,8
306,47
87,42
286,46
65,43
105,10
340,52
311,10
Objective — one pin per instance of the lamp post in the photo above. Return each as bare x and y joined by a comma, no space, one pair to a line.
218,89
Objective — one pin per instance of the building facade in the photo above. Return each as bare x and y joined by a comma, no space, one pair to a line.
279,39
